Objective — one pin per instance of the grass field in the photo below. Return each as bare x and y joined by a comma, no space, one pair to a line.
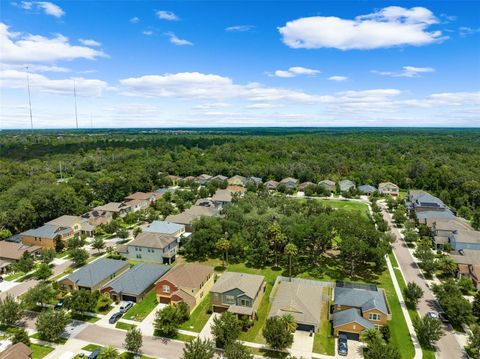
57,341
124,326
140,310
198,317
40,351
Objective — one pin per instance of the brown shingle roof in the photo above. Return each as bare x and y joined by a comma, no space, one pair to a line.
17,351
191,214
188,275
247,283
65,221
141,196
14,251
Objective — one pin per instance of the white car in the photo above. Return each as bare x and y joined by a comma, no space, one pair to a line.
433,315
125,306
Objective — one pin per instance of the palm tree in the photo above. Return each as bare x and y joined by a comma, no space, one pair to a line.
276,239
370,336
223,245
109,353
448,265
290,250
289,322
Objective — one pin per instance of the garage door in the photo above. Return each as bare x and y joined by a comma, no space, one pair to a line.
219,309
351,336
305,327
129,298
164,300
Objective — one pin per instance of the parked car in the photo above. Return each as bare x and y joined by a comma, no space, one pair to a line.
443,317
94,354
433,315
115,317
342,345
59,304
125,306
1,279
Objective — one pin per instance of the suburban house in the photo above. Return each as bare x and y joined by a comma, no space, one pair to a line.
174,179
461,239
219,178
305,185
329,185
290,182
190,179
236,189
346,185
46,236
222,197
135,283
442,228
174,229
114,208
187,283
188,216
271,185
420,201
237,181
11,252
366,189
149,197
464,259
135,205
94,275
254,180
151,247
389,188
357,309
238,293
203,179
73,222
471,271
302,298
17,351
91,220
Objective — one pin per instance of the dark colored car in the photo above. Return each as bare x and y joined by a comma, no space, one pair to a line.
115,317
443,317
59,305
342,345
94,354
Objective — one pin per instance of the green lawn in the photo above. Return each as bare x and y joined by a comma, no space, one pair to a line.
14,275
323,341
57,341
124,326
40,351
85,318
92,347
140,310
184,337
198,317
267,353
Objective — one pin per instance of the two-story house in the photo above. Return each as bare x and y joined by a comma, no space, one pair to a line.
73,222
152,247
238,293
465,239
187,283
46,235
358,309
389,188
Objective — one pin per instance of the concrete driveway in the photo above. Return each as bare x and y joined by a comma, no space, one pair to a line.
302,344
354,350
146,326
206,332
19,289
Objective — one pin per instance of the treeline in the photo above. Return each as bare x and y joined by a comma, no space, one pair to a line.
102,166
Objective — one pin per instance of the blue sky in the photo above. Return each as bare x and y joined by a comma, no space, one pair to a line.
170,64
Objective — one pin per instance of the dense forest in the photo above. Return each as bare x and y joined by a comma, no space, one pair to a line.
105,165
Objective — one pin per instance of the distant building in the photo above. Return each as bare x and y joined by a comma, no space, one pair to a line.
305,185
203,179
237,181
388,188
72,222
290,182
222,197
367,190
191,214
271,185
346,185
329,185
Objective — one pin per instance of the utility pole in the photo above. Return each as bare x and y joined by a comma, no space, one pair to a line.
29,100
75,97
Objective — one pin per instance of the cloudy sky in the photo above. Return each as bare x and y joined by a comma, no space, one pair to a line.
212,64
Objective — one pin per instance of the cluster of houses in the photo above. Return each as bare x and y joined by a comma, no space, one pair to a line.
448,231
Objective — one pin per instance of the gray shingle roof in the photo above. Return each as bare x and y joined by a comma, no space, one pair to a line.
96,272
360,298
222,195
351,315
247,283
422,215
164,227
152,240
366,188
47,231
138,279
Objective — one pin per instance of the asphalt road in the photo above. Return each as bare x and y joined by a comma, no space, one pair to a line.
447,346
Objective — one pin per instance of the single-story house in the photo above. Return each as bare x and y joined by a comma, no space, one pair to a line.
190,179
219,178
191,214
389,188
46,235
17,351
461,239
346,185
271,185
254,180
305,185
358,309
135,283
203,179
73,222
152,247
465,256
238,293
94,275
366,189
11,252
300,298
187,283
329,185
222,197
290,182
237,180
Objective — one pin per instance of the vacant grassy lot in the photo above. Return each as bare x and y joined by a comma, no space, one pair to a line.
198,317
40,351
140,310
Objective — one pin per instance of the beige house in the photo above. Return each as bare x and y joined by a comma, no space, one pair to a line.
389,188
46,236
11,252
187,283
73,222
238,293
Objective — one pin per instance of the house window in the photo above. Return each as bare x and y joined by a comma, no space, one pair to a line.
166,288
374,316
139,256
230,299
245,302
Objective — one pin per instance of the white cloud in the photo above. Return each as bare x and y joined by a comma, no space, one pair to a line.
239,28
50,8
27,5
37,48
174,39
295,71
147,32
89,42
261,105
446,99
34,67
135,20
167,15
14,79
407,71
211,105
465,31
338,78
390,26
